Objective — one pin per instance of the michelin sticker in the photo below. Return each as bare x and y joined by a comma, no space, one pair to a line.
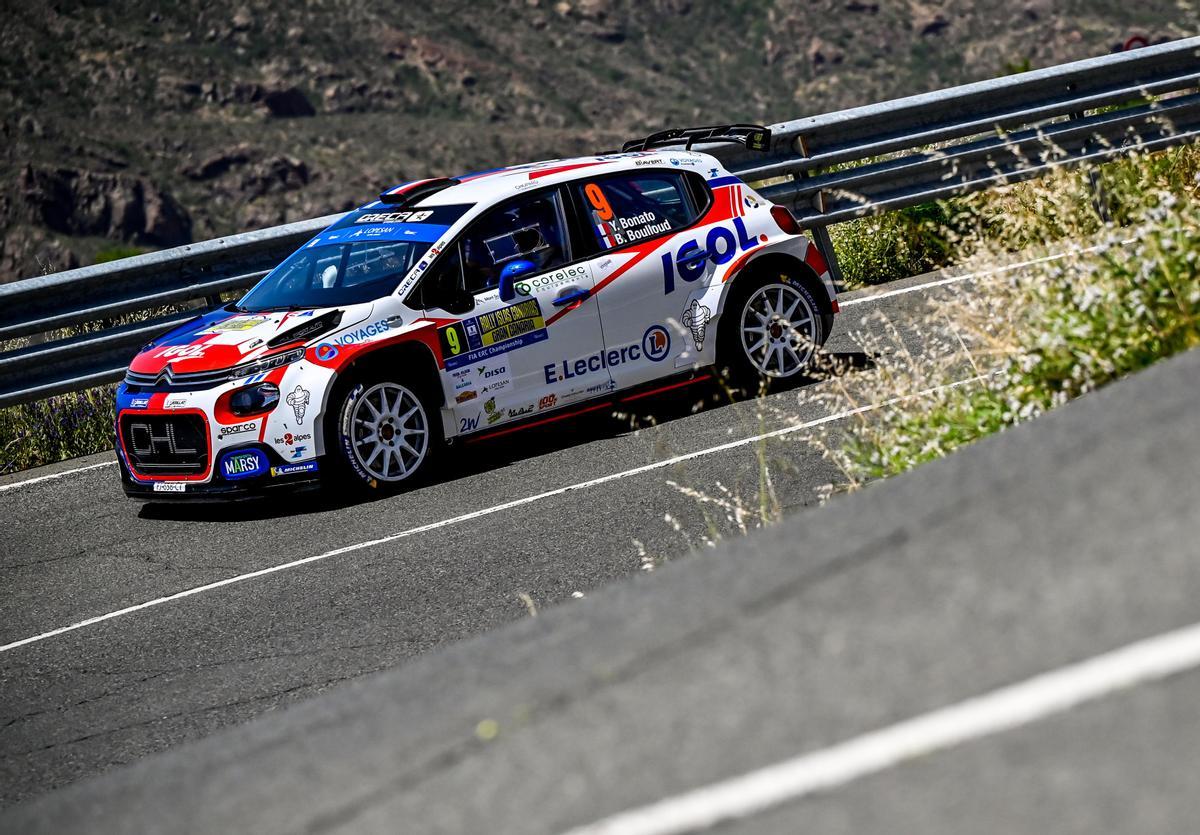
696,318
292,469
298,400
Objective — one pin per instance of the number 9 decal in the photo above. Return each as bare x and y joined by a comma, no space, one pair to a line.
599,202
453,339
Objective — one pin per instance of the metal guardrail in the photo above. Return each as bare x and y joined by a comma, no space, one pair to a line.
144,283
828,169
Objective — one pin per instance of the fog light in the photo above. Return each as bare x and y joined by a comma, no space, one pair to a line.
254,400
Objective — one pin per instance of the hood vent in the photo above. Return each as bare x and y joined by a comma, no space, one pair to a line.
309,329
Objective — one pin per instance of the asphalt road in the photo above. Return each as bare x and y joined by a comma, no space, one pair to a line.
1060,541
78,703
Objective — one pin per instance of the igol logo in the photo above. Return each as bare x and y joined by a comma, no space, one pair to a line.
326,352
721,246
656,343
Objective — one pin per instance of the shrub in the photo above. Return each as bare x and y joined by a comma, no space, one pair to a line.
67,426
907,242
1057,331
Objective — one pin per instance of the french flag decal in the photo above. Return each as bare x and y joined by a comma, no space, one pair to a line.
736,207
604,230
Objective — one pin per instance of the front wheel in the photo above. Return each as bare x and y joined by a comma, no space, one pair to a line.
387,434
770,331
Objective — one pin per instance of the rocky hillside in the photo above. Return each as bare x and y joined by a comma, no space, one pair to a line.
128,127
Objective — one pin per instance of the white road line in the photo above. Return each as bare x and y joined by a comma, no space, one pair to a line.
14,485
478,514
955,279
1001,710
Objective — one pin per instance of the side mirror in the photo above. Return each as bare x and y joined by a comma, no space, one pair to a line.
446,292
509,275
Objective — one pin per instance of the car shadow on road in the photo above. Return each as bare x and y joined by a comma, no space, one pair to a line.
487,453
629,416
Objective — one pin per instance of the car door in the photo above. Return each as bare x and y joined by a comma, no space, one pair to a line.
635,218
504,358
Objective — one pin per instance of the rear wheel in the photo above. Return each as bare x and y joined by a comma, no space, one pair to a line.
387,434
770,331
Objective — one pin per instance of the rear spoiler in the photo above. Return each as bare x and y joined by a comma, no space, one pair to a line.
754,137
410,193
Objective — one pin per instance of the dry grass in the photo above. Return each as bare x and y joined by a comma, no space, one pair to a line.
1012,346
1045,335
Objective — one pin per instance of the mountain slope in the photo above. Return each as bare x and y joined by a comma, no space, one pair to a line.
126,124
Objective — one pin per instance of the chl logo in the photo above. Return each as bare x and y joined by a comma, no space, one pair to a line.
146,442
720,247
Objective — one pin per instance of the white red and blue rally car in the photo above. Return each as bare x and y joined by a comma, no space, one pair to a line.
476,305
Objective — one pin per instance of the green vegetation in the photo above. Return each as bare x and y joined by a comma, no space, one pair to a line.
70,425
51,430
932,236
116,253
1052,333
908,242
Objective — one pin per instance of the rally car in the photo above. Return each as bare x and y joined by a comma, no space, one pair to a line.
474,305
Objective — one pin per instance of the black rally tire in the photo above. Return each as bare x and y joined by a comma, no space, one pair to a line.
734,364
345,468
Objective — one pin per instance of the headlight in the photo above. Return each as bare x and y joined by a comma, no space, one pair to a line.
249,369
254,400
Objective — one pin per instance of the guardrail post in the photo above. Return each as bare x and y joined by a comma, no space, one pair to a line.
1099,195
825,243
820,234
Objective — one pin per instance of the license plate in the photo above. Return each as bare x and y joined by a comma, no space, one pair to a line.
169,486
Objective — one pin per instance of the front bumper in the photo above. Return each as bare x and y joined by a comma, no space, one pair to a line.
221,492
275,479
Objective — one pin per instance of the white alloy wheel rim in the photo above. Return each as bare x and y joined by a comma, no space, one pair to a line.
778,330
389,432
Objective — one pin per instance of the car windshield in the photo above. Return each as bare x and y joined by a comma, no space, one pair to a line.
361,258
334,275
